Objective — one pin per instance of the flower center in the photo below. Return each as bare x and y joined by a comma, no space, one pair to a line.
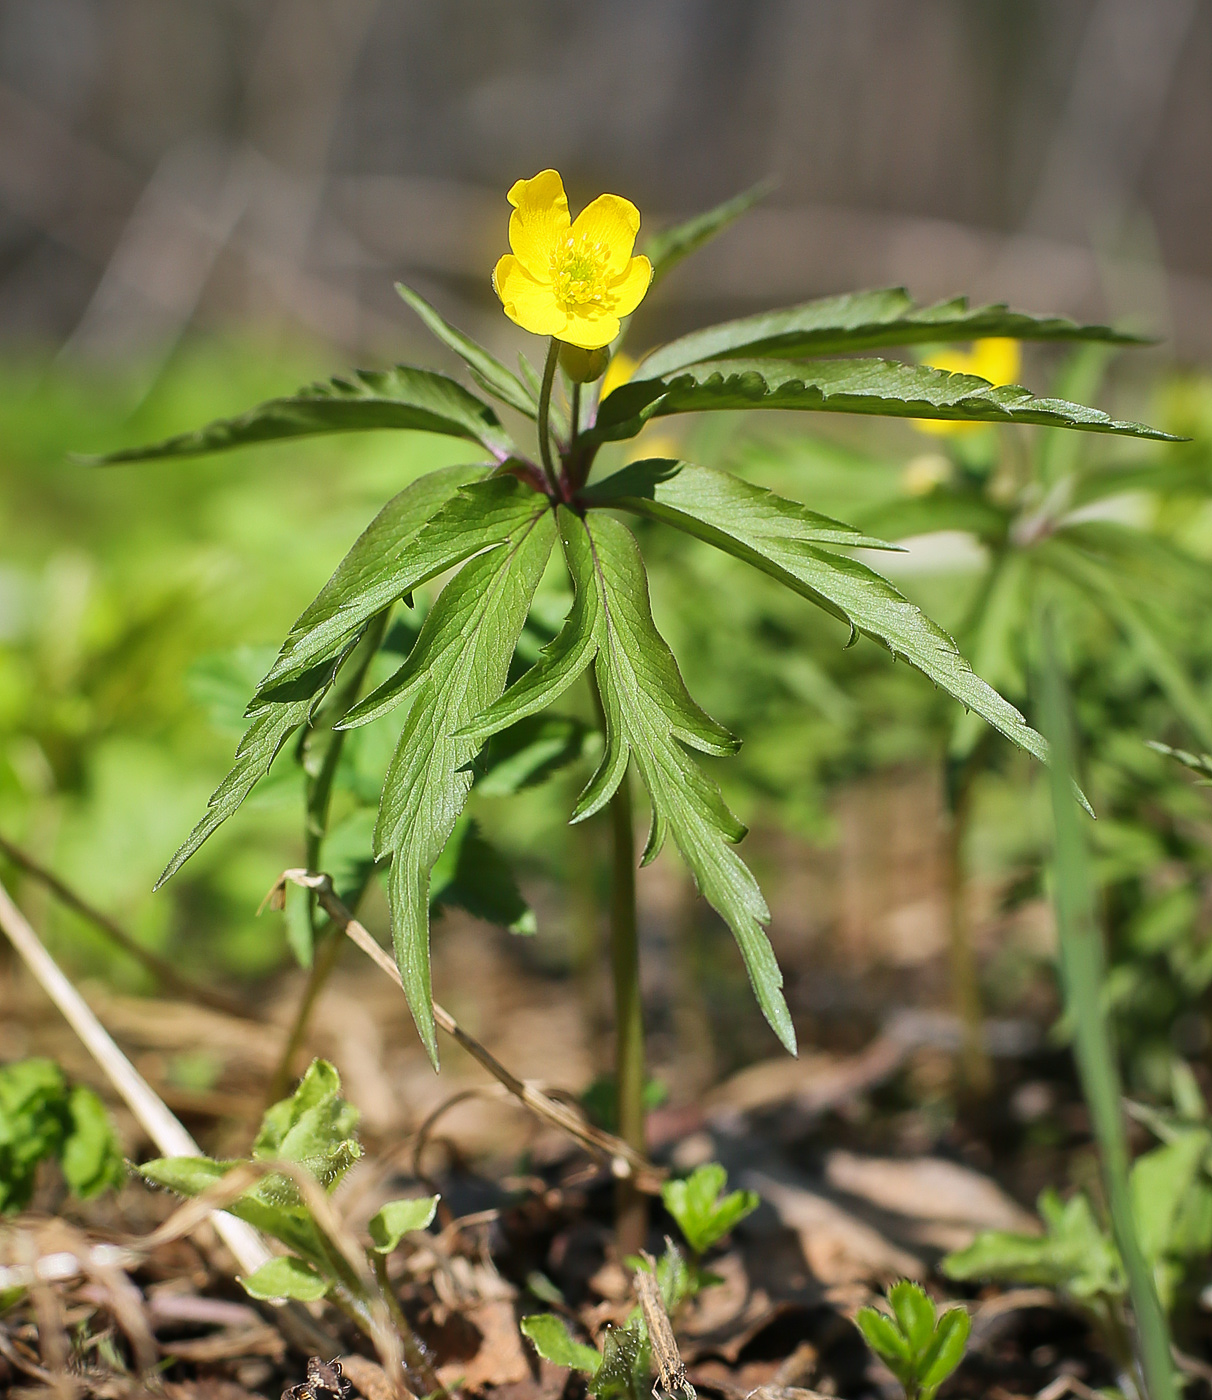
578,272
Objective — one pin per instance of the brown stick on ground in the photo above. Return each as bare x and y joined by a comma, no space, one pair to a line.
624,1160
159,967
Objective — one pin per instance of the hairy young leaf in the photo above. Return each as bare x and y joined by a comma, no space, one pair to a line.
390,1223
945,1351
914,1313
418,399
552,1341
666,249
863,321
286,1277
885,387
486,369
457,668
760,528
884,1338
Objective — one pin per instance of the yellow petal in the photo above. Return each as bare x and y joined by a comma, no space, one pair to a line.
619,371
612,222
627,291
540,222
997,359
526,300
589,329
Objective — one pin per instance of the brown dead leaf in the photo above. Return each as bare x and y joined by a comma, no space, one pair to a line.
500,1359
930,1190
260,1340
209,1389
837,1246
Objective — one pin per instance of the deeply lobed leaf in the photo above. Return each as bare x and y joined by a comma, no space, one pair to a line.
779,538
885,387
457,668
403,397
864,321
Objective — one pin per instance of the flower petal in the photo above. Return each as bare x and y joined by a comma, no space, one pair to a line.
539,222
626,292
589,329
527,301
613,222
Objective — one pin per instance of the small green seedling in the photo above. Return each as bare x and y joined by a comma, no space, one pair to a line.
314,1128
920,1348
704,1214
623,1370
43,1117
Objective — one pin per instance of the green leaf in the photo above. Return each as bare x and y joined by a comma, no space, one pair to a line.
914,1313
996,638
286,1277
431,526
529,752
473,875
703,1214
883,1337
649,715
1198,763
91,1156
381,566
552,1341
667,248
458,666
392,1222
1075,1255
945,1351
1161,1180
417,399
760,528
187,1176
863,321
488,372
314,1127
885,387
318,1088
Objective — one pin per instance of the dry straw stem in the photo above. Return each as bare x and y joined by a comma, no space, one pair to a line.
150,1111
624,1160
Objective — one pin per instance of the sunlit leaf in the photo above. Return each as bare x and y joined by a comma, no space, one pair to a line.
390,1223
760,528
863,321
552,1341
885,387
417,399
286,1277
458,667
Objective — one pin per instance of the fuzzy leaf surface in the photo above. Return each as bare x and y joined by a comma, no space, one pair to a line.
885,387
759,527
457,668
486,369
403,397
863,321
390,1223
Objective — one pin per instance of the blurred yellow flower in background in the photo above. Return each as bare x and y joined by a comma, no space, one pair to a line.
570,280
998,360
619,371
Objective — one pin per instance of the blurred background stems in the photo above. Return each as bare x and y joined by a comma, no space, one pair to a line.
1082,968
319,753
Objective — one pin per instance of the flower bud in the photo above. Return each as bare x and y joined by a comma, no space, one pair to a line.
583,366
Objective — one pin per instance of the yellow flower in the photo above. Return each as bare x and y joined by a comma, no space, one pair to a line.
570,280
998,360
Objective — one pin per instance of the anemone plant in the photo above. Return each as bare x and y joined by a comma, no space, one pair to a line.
498,520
